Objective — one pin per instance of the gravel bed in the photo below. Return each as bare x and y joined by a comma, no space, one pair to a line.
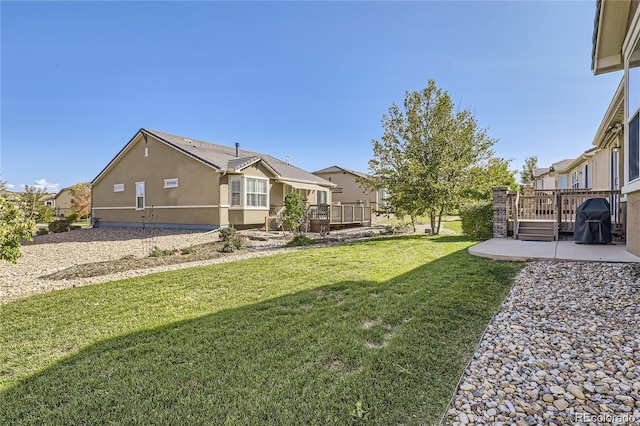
563,349
52,253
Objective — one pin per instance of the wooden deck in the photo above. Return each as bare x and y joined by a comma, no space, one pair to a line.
559,206
321,217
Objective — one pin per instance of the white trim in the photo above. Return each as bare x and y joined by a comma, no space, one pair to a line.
245,193
117,186
171,180
115,208
631,187
204,206
144,198
632,36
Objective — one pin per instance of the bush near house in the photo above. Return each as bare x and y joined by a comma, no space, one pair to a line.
61,225
477,220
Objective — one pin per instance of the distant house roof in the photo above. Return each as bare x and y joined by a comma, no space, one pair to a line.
557,166
223,158
68,188
334,169
540,171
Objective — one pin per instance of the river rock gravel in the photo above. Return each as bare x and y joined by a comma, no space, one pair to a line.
564,348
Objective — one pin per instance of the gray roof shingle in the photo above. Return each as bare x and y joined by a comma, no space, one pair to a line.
224,157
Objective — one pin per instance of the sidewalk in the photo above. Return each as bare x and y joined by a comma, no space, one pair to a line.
515,250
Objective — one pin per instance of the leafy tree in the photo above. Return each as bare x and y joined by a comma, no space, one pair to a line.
293,210
81,201
430,157
487,176
530,164
34,206
15,226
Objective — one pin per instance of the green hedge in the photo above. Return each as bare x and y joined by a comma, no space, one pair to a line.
477,220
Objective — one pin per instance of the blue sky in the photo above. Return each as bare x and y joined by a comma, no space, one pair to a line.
306,79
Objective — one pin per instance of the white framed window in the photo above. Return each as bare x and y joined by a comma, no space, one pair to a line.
118,187
322,197
633,111
539,184
171,183
146,151
139,195
235,194
257,192
575,183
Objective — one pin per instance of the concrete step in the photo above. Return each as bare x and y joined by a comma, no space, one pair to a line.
535,237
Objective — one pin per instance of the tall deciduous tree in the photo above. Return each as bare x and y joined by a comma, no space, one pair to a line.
81,201
430,157
530,164
15,226
36,209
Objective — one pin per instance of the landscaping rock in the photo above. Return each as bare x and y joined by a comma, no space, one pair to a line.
565,341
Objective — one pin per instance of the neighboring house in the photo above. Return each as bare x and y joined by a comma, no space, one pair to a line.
348,190
553,177
62,202
616,47
177,182
580,172
48,200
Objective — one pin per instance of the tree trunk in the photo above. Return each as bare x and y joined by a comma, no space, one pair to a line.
413,222
440,218
432,218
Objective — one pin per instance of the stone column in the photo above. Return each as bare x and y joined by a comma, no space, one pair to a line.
500,212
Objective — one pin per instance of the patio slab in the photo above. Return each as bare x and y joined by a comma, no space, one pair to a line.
516,250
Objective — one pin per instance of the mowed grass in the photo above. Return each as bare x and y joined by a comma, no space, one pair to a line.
377,331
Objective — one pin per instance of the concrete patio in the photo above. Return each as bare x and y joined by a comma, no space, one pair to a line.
516,250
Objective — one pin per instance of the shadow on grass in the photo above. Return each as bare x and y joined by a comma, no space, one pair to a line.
387,353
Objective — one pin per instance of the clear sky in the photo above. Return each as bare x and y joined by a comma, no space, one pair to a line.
306,79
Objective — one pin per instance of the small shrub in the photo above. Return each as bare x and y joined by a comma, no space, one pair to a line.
227,234
72,217
300,240
477,220
187,250
228,247
157,252
42,231
62,225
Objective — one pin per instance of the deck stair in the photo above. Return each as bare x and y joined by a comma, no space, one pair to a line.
533,230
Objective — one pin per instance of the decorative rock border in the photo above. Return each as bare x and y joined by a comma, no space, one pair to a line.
563,349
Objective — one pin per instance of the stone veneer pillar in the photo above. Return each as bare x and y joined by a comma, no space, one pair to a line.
500,212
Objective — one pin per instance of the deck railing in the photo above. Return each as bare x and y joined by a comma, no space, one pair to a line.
560,206
345,214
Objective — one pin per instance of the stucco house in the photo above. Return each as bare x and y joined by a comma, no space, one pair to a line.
616,47
552,177
62,202
349,190
173,181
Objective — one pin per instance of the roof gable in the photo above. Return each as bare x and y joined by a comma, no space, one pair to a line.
337,169
221,158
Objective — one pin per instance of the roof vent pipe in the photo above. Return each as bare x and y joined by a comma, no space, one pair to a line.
237,149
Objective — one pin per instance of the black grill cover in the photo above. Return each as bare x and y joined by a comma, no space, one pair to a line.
593,222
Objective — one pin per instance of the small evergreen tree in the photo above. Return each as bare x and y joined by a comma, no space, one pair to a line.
293,210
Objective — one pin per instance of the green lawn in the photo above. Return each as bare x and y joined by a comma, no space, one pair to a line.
377,331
